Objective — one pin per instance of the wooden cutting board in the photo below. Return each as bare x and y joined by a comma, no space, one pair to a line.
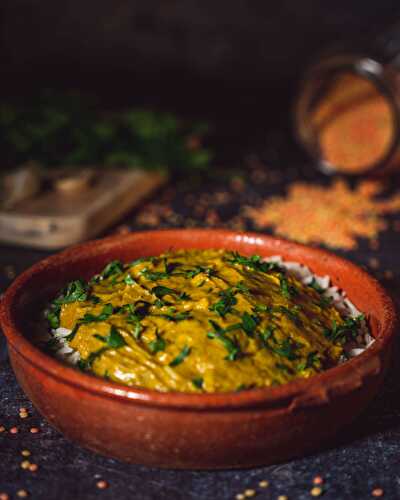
55,219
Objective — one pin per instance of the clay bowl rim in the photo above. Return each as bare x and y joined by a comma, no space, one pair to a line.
341,376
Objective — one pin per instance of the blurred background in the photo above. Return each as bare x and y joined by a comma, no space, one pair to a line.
194,89
234,63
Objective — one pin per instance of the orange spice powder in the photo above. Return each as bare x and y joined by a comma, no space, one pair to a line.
354,124
334,216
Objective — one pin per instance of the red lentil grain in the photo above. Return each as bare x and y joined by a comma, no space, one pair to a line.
25,453
102,485
316,491
34,430
4,496
318,480
377,492
22,493
2,428
14,430
33,467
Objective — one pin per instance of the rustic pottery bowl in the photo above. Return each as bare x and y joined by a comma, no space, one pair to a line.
201,431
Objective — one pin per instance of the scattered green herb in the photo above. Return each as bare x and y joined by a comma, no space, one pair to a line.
225,304
114,339
158,344
181,356
198,382
106,312
231,345
254,262
76,291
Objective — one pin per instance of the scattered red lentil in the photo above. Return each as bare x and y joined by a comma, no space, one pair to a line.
102,485
33,467
249,493
2,428
9,271
283,497
389,275
240,496
316,491
377,492
25,464
335,215
34,430
318,480
22,493
263,484
14,430
373,263
4,496
25,453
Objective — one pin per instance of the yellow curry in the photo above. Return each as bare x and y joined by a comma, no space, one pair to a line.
200,321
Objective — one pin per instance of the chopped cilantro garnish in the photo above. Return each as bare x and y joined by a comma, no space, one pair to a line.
159,291
114,339
311,362
158,344
266,335
249,323
198,382
181,356
344,332
287,290
225,304
86,364
154,275
53,316
283,367
129,280
76,291
106,312
180,316
208,271
231,345
287,349
254,262
314,284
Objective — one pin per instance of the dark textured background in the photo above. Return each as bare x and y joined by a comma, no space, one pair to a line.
203,56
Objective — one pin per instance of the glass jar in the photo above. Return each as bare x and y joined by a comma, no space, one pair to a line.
347,111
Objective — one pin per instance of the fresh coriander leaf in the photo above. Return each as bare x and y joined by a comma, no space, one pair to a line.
198,382
249,323
314,284
114,339
158,344
231,345
129,280
254,262
86,364
287,349
53,316
225,304
106,312
159,291
76,291
312,361
181,356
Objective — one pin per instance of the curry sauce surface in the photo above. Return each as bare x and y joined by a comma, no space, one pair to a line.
202,321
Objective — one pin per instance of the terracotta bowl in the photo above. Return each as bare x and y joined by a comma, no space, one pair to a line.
201,431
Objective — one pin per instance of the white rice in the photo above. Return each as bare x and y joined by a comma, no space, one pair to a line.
340,301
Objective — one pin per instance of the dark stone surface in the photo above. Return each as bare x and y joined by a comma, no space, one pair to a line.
365,456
